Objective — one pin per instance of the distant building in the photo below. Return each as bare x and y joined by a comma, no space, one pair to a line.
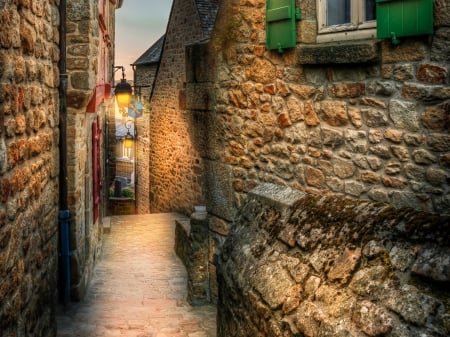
145,68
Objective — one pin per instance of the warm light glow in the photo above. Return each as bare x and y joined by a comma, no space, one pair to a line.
123,100
123,92
128,143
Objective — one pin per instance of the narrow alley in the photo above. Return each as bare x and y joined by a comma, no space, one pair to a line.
138,288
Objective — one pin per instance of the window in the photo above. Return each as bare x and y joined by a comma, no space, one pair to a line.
346,19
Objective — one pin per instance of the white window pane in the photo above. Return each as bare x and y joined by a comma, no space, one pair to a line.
338,12
370,11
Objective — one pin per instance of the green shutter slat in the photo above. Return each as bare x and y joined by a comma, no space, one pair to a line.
398,18
278,14
280,24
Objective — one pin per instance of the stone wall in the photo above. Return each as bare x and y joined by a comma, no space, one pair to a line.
84,67
28,167
361,118
175,164
144,75
298,264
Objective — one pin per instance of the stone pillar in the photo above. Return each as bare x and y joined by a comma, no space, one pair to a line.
198,274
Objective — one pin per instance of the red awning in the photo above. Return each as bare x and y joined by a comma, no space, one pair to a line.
101,92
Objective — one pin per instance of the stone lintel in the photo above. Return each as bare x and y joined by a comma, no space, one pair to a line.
339,52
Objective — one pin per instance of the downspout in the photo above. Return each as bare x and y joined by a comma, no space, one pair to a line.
64,214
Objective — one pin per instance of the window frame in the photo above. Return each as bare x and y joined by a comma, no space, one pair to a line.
356,29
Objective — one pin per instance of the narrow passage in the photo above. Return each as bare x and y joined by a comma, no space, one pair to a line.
139,287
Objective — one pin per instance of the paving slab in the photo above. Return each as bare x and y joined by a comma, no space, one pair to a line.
138,288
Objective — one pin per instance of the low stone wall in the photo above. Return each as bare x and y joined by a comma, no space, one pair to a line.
297,264
192,247
122,206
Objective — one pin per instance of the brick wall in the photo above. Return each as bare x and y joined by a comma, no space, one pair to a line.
28,167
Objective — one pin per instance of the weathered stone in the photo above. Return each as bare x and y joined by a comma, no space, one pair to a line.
398,183
262,71
356,141
405,52
347,90
378,194
404,115
414,139
442,13
373,319
354,188
410,304
393,135
314,177
439,142
308,319
424,92
436,177
332,53
380,151
434,264
414,172
432,73
370,177
303,91
375,136
403,72
392,168
437,117
295,108
374,117
401,258
355,117
440,49
332,138
273,285
343,168
334,113
311,118
385,88
344,265
335,184
444,160
423,157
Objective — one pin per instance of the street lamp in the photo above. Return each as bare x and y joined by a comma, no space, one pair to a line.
123,91
128,140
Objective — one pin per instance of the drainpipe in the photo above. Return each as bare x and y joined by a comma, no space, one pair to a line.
64,214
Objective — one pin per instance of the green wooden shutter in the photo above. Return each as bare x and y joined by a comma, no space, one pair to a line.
281,16
397,18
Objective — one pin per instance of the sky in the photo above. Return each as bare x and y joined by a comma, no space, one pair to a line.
139,24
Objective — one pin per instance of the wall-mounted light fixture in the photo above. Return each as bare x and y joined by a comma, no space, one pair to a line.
123,90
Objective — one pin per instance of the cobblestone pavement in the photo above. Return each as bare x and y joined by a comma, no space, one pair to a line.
138,287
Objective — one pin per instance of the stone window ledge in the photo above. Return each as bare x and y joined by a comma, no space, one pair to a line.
340,52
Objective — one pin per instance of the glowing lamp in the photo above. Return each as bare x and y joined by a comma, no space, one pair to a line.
123,93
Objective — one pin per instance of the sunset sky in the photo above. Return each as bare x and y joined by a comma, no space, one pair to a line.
139,24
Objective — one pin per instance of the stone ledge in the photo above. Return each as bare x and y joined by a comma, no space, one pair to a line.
340,52
276,195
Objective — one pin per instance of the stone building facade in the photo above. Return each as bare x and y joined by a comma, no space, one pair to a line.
145,69
31,101
28,166
348,115
363,118
176,169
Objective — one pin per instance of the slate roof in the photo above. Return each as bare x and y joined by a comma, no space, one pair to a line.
152,54
207,10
